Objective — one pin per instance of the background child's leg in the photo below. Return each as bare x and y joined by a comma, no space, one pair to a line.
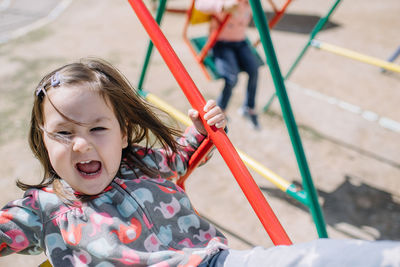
249,64
228,68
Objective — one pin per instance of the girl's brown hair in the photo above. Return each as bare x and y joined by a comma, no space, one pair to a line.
136,118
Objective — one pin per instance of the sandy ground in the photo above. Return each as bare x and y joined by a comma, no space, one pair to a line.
347,111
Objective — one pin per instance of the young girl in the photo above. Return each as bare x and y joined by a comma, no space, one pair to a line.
106,196
107,199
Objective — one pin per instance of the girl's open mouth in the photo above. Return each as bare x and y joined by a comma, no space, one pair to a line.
89,169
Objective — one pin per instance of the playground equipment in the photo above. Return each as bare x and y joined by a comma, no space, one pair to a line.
393,57
200,46
278,13
308,197
218,137
385,65
317,28
252,192
274,178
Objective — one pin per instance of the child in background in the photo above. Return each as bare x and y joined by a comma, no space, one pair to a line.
105,200
232,53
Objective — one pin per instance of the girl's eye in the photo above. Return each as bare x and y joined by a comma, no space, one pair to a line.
64,133
61,136
95,129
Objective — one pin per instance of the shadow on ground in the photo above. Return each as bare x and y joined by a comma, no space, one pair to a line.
297,23
371,211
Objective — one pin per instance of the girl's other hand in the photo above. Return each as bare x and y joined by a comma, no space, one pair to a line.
214,116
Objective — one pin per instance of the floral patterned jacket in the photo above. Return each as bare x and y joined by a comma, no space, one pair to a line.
137,220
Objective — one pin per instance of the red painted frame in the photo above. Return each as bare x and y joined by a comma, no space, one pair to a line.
212,39
218,136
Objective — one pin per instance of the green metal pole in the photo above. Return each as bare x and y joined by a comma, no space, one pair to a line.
317,28
299,195
160,12
262,27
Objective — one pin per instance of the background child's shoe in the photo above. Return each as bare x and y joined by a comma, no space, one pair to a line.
251,116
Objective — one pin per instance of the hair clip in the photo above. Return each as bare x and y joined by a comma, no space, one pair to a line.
55,79
40,91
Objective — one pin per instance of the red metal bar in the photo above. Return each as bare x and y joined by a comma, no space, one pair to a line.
187,21
218,136
212,39
189,44
176,10
197,157
276,18
278,14
273,6
194,52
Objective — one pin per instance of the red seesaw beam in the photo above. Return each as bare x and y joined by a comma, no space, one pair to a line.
218,136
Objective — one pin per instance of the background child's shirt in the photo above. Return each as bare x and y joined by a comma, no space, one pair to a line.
235,29
136,220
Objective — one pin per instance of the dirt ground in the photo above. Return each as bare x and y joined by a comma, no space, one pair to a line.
347,111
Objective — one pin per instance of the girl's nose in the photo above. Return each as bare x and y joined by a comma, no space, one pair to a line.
80,144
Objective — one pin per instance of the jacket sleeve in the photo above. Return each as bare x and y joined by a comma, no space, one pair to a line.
175,165
21,226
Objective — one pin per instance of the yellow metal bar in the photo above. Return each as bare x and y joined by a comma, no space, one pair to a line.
45,264
169,109
354,55
278,181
